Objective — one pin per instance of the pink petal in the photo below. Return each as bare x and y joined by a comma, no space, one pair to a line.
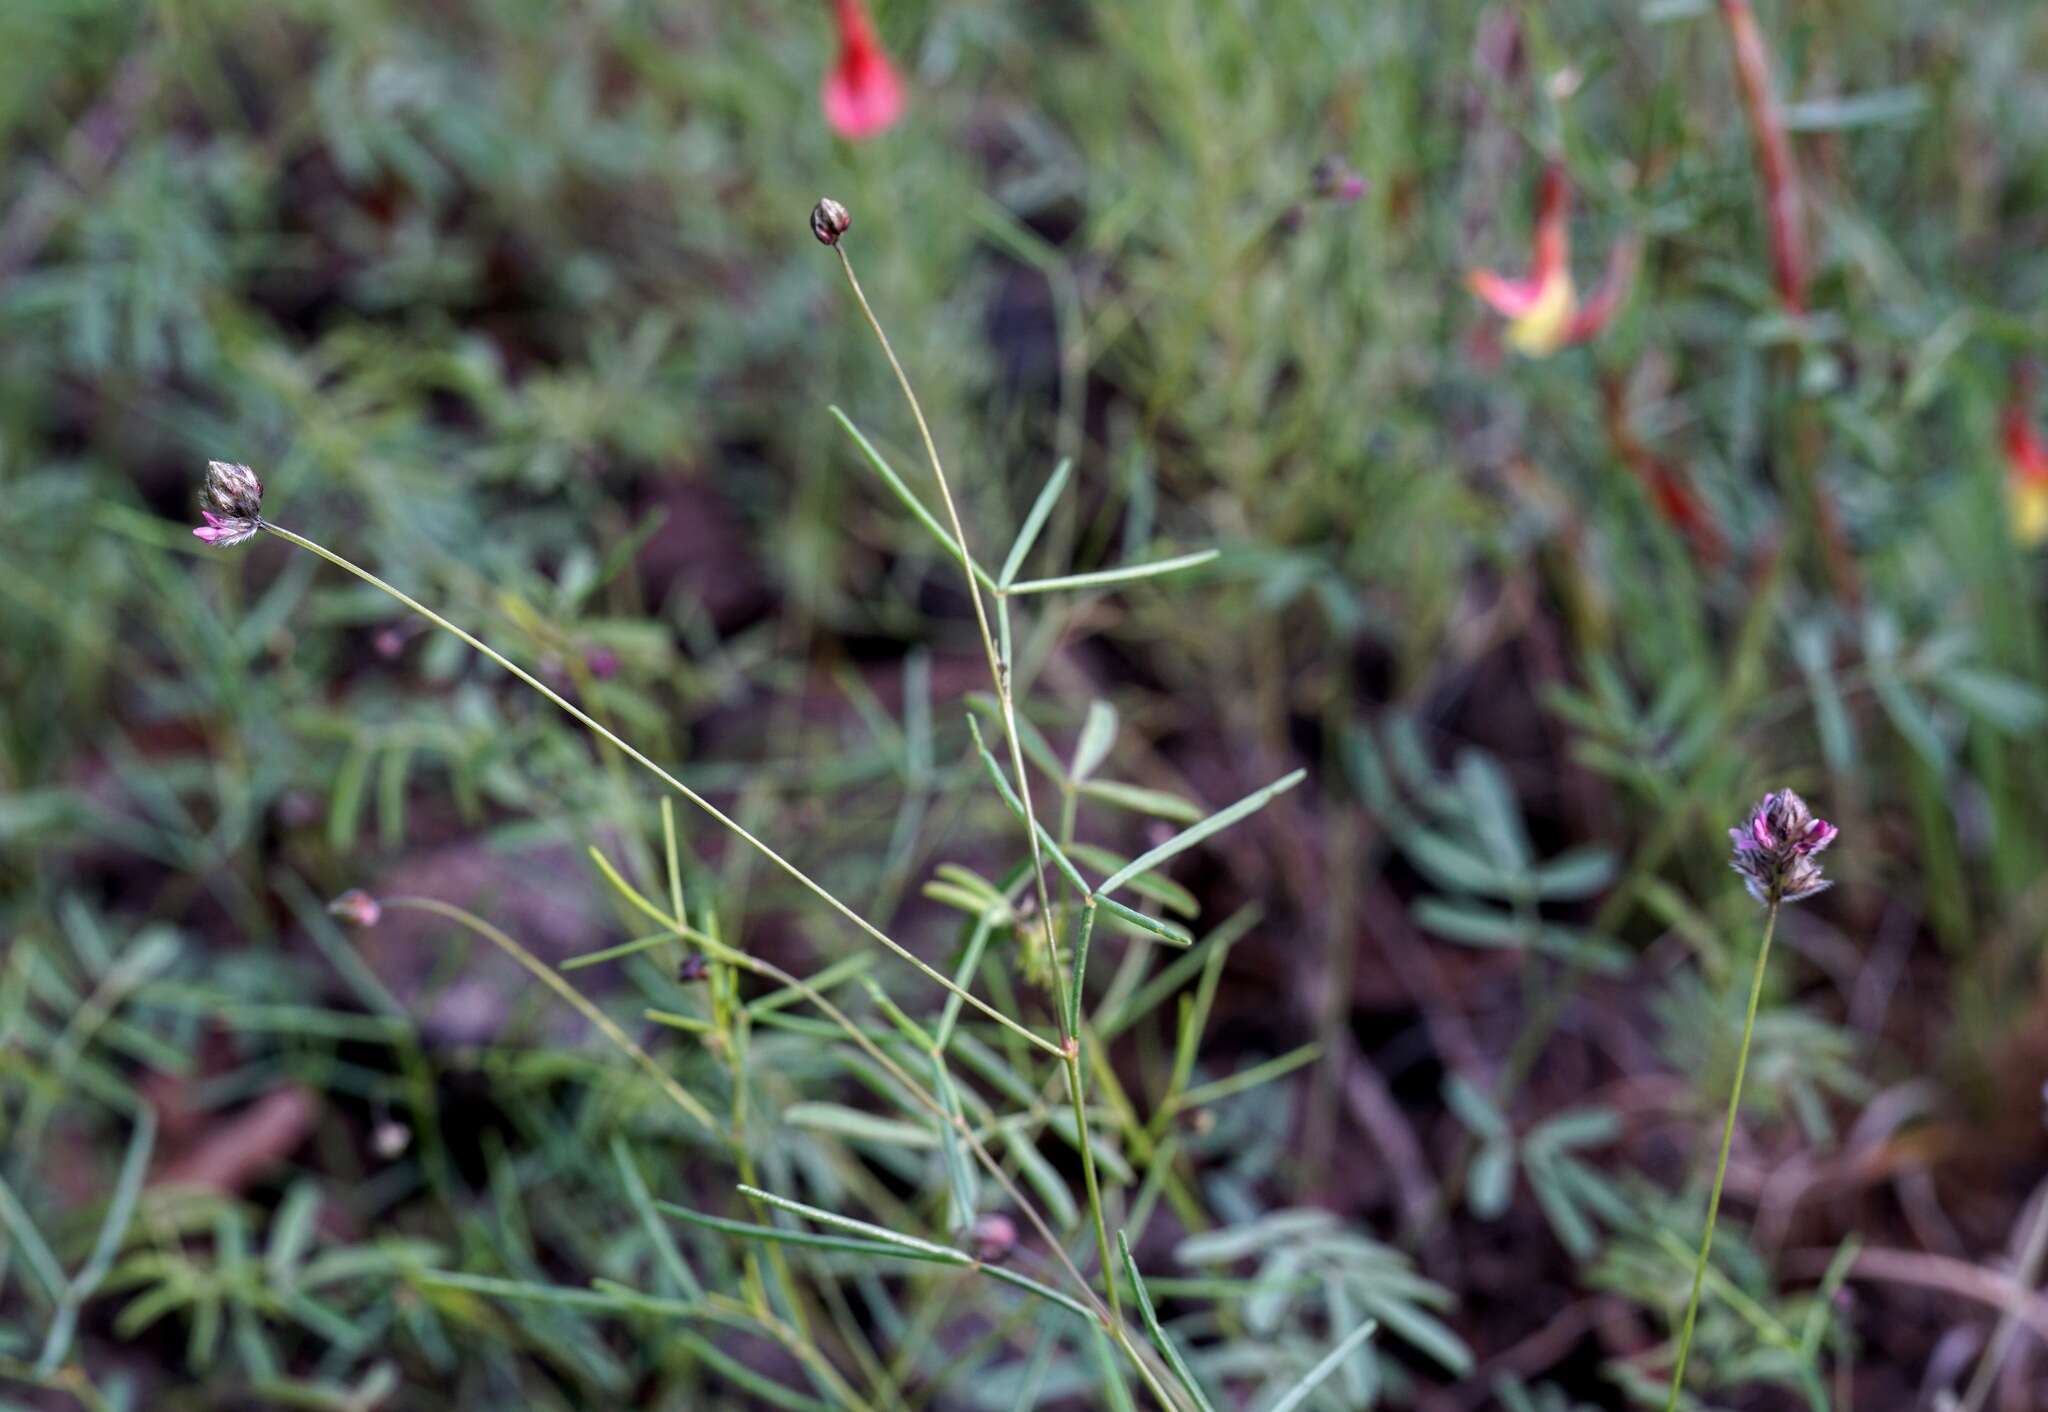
1511,298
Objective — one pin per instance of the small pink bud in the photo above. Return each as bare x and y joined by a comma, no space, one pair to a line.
995,1236
357,908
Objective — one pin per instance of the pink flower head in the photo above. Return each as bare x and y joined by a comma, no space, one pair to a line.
863,96
224,531
235,497
1775,848
1543,310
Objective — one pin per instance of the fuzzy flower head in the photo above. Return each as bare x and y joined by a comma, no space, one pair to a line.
862,94
1776,849
1544,310
234,501
2026,464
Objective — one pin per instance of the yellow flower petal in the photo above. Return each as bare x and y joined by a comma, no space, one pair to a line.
2030,511
1540,332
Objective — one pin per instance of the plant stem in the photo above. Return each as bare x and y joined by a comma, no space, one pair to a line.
677,1094
999,672
597,728
1699,1271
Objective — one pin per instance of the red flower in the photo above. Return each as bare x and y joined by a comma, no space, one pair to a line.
862,95
1544,311
2026,463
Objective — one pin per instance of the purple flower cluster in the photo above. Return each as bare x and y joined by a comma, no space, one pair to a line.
1776,846
235,498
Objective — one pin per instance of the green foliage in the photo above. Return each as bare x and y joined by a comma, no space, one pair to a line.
513,305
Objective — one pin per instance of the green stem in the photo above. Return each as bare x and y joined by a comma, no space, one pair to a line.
597,728
999,672
1699,1271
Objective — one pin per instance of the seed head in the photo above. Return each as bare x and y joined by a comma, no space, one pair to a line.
829,221
234,504
357,908
1776,846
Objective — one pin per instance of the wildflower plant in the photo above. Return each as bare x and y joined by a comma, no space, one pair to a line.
1060,933
1776,850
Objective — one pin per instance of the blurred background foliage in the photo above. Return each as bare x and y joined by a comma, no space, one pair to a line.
513,302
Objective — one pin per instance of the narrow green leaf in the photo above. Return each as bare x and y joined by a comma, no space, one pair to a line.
1027,534
1189,837
1581,872
1250,1078
784,1235
1165,931
1494,810
1051,849
113,1226
1125,574
882,1233
1165,1345
909,498
841,1121
658,1235
613,953
1091,748
1167,893
1139,800
960,1176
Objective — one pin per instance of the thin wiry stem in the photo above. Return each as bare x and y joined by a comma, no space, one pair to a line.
999,672
677,1094
597,728
1699,1269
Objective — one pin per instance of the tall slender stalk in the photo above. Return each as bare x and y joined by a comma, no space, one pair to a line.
999,672
1699,1270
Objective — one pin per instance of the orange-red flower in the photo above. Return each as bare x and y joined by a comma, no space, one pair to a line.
1544,310
2026,463
862,95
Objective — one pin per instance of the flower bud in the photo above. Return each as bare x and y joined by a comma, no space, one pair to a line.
357,908
1776,846
995,1236
829,221
234,490
235,496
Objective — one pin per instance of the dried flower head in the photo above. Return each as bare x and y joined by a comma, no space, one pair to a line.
1776,846
234,501
357,908
829,221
